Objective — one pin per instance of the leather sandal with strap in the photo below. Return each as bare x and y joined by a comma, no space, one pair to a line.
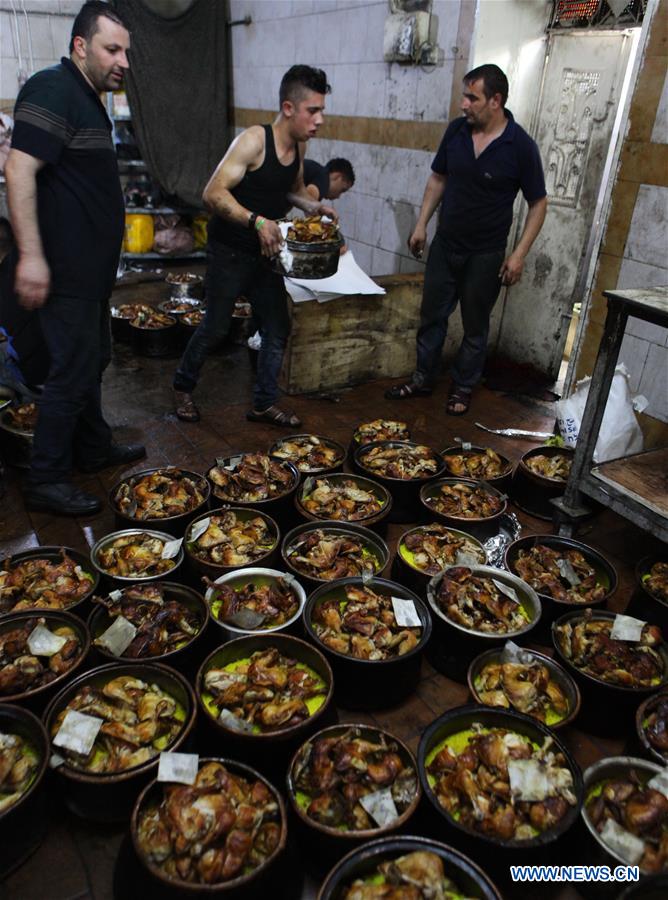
409,389
274,416
458,397
185,407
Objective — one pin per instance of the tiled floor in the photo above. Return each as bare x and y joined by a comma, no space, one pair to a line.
76,859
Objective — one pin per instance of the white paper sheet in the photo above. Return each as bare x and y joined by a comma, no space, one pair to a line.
349,279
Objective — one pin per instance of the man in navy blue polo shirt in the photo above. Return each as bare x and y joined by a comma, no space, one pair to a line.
484,159
66,207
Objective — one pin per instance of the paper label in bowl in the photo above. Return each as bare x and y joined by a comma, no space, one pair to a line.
380,806
118,637
467,445
660,782
116,596
56,760
507,590
171,548
199,528
233,722
220,462
511,653
466,558
567,572
405,613
367,575
627,845
43,642
626,628
528,780
232,463
78,732
181,767
309,485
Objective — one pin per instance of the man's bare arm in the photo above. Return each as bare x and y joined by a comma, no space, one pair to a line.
300,197
511,270
33,277
433,194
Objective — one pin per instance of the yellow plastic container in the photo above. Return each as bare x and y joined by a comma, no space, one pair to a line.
138,233
200,225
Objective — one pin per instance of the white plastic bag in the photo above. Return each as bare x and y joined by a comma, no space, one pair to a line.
620,434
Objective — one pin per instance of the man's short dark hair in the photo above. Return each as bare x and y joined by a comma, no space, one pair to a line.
494,81
343,166
85,24
300,79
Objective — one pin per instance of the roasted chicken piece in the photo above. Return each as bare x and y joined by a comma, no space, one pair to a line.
193,318
21,670
269,692
588,646
365,627
312,228
478,603
23,417
131,310
18,765
255,477
381,430
309,453
476,784
526,687
160,495
404,461
563,574
656,725
434,548
328,555
475,464
251,605
417,876
656,582
556,467
465,501
147,317
335,773
232,541
135,556
213,831
340,499
42,584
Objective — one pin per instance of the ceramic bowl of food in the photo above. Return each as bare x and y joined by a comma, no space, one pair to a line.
614,673
652,727
479,463
539,477
377,430
474,609
255,480
56,578
619,804
565,573
168,620
165,498
24,757
255,601
380,664
320,552
186,285
179,306
39,651
262,695
427,550
132,712
536,766
312,454
17,428
403,468
135,554
154,334
345,498
526,681
350,784
650,598
230,538
472,506
180,867
122,315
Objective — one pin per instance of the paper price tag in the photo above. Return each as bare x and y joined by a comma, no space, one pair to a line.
118,637
380,806
660,782
528,780
171,548
507,590
43,642
180,767
78,732
309,485
234,722
567,572
233,462
405,613
467,445
116,596
56,760
513,654
367,575
626,628
199,528
627,845
464,558
220,462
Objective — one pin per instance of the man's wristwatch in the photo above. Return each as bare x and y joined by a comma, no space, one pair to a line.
251,221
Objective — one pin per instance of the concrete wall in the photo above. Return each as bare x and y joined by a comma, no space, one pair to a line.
633,253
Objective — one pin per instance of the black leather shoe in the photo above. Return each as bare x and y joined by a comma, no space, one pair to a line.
62,499
118,455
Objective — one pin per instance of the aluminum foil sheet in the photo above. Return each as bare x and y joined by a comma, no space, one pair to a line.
496,546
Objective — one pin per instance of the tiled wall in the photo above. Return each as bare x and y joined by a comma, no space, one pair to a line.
346,39
634,253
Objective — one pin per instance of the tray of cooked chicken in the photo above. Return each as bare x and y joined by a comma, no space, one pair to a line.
310,452
342,497
381,430
479,463
45,578
231,538
252,478
467,501
135,555
20,762
159,494
555,467
399,460
432,548
334,551
21,419
254,599
482,601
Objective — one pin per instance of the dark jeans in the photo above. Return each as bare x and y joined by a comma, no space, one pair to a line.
473,280
231,273
70,420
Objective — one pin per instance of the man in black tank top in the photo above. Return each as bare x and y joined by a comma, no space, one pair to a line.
257,182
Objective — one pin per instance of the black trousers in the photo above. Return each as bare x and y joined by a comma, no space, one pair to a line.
70,425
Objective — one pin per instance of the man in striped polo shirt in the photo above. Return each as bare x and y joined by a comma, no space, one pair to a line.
66,207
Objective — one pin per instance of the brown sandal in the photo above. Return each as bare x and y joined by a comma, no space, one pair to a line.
185,407
274,416
409,389
458,397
